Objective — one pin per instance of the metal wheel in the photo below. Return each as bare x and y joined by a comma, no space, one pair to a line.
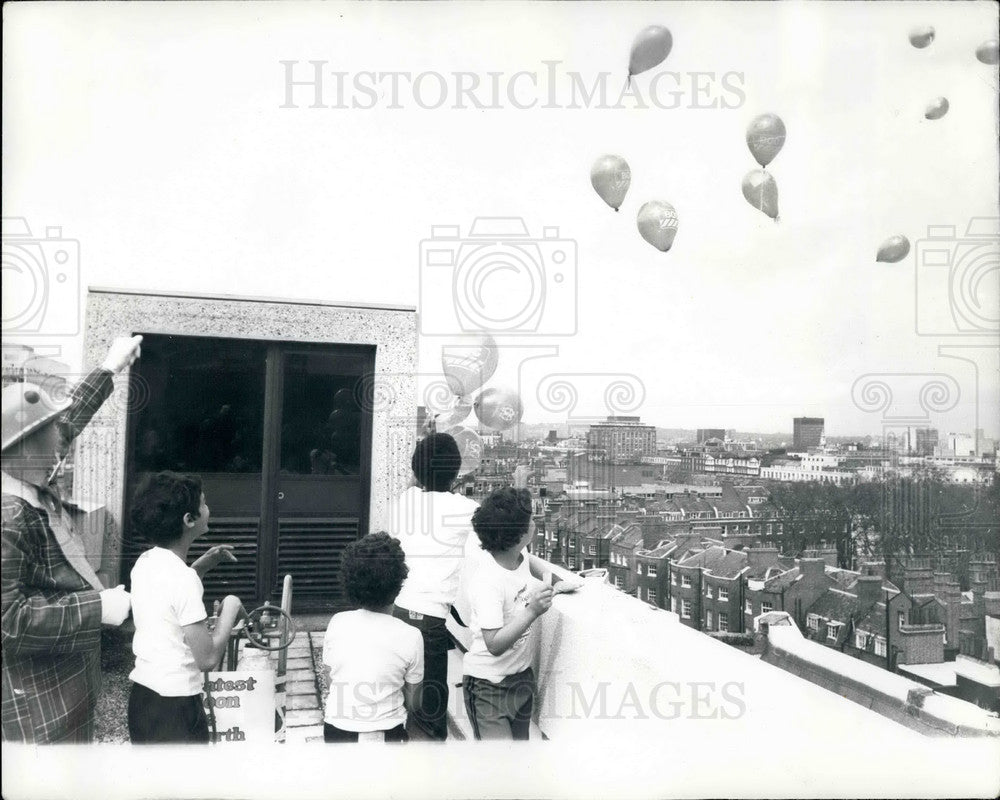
256,632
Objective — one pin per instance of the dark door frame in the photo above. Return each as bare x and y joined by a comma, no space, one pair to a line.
267,541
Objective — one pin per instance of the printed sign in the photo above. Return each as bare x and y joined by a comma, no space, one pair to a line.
243,704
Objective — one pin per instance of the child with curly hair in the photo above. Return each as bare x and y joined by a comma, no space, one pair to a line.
374,662
507,595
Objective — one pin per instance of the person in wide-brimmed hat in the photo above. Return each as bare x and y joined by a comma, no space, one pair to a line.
53,602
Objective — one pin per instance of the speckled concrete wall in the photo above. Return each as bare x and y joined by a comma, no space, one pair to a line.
100,457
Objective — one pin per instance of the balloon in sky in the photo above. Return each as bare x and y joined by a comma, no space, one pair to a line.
650,48
765,138
937,108
893,249
470,445
988,53
657,223
498,408
922,37
468,366
610,177
761,192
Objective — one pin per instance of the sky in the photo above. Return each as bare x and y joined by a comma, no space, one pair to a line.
166,141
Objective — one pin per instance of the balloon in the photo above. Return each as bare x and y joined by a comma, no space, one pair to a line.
765,138
893,249
470,445
450,418
921,37
610,177
761,192
658,224
468,366
498,408
937,108
987,52
650,47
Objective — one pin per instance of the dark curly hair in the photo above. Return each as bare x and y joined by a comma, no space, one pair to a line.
373,570
502,519
160,503
436,462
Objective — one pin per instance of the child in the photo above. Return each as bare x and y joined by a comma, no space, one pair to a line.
374,662
506,597
172,643
432,525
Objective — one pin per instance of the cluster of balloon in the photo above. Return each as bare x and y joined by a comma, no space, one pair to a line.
765,138
650,49
893,250
988,52
657,222
610,176
466,368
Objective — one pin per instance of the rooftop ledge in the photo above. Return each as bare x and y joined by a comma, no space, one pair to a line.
633,704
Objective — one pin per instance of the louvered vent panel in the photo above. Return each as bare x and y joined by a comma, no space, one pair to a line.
240,578
310,550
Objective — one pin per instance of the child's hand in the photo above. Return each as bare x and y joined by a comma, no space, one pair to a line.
231,606
540,600
566,585
213,557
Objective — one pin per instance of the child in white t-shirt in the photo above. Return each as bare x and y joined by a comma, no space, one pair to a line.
506,596
374,662
172,643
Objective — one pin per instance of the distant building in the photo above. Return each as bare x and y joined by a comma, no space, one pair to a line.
622,437
704,434
961,444
807,432
925,441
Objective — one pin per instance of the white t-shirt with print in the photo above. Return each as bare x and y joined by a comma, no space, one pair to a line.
166,596
370,656
496,595
432,528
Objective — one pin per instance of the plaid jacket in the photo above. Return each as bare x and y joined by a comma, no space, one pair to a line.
51,627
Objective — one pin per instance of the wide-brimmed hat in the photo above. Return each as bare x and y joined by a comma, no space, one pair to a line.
26,408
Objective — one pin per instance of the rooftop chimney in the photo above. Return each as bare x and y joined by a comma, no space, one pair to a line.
762,557
869,589
812,568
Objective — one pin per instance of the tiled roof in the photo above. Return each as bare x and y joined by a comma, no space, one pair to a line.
657,552
873,620
782,580
848,580
835,604
765,572
719,561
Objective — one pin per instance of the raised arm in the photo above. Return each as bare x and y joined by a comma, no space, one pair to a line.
93,390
